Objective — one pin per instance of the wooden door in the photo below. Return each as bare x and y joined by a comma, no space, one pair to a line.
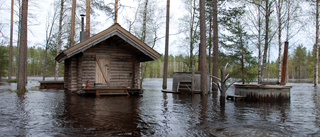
102,69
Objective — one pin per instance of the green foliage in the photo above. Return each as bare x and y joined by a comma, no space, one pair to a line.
4,61
35,61
300,56
236,45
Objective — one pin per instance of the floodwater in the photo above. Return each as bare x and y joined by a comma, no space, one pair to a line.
60,113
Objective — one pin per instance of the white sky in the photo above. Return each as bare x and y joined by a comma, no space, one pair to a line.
36,33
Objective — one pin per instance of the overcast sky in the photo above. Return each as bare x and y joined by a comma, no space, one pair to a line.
40,9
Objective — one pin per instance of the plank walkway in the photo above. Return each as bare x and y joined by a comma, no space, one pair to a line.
51,84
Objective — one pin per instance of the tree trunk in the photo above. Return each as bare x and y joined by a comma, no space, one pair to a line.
165,70
45,64
22,71
116,12
279,7
268,76
18,41
59,38
316,48
144,24
210,44
215,45
266,39
203,53
72,22
259,46
88,19
144,29
11,39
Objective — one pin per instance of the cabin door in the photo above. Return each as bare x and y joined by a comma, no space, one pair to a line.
102,69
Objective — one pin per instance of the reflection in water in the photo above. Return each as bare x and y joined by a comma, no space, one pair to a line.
61,113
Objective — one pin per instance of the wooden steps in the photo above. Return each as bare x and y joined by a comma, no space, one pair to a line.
184,86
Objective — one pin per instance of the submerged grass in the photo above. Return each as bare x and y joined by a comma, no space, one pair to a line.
20,92
12,81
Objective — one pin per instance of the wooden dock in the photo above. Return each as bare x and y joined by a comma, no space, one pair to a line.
263,93
170,91
112,91
235,97
51,84
178,92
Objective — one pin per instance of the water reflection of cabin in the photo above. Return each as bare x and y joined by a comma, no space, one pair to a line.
110,61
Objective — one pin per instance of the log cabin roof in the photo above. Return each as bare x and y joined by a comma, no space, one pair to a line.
117,34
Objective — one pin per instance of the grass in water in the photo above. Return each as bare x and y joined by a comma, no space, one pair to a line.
13,81
20,92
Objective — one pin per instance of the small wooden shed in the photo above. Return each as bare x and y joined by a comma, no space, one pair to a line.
110,61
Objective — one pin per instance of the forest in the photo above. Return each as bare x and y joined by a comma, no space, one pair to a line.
247,34
300,65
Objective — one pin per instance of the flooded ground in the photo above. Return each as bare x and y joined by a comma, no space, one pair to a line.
60,113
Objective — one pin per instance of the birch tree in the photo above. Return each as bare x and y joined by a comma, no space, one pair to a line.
58,47
49,29
280,18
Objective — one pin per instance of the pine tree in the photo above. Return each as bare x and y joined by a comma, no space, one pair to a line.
240,57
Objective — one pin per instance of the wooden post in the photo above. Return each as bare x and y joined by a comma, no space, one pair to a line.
88,19
223,77
72,22
284,62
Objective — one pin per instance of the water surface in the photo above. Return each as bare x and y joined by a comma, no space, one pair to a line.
60,113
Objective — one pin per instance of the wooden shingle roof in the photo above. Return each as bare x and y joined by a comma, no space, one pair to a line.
115,30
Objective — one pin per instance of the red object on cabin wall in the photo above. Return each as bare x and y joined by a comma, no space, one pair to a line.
87,87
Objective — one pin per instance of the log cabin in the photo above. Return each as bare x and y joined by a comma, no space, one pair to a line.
107,63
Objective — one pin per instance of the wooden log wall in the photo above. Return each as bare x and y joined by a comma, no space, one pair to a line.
88,70
73,75
66,73
124,66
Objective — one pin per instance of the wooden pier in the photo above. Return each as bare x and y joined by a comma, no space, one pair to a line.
111,91
235,97
263,93
51,84
178,92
